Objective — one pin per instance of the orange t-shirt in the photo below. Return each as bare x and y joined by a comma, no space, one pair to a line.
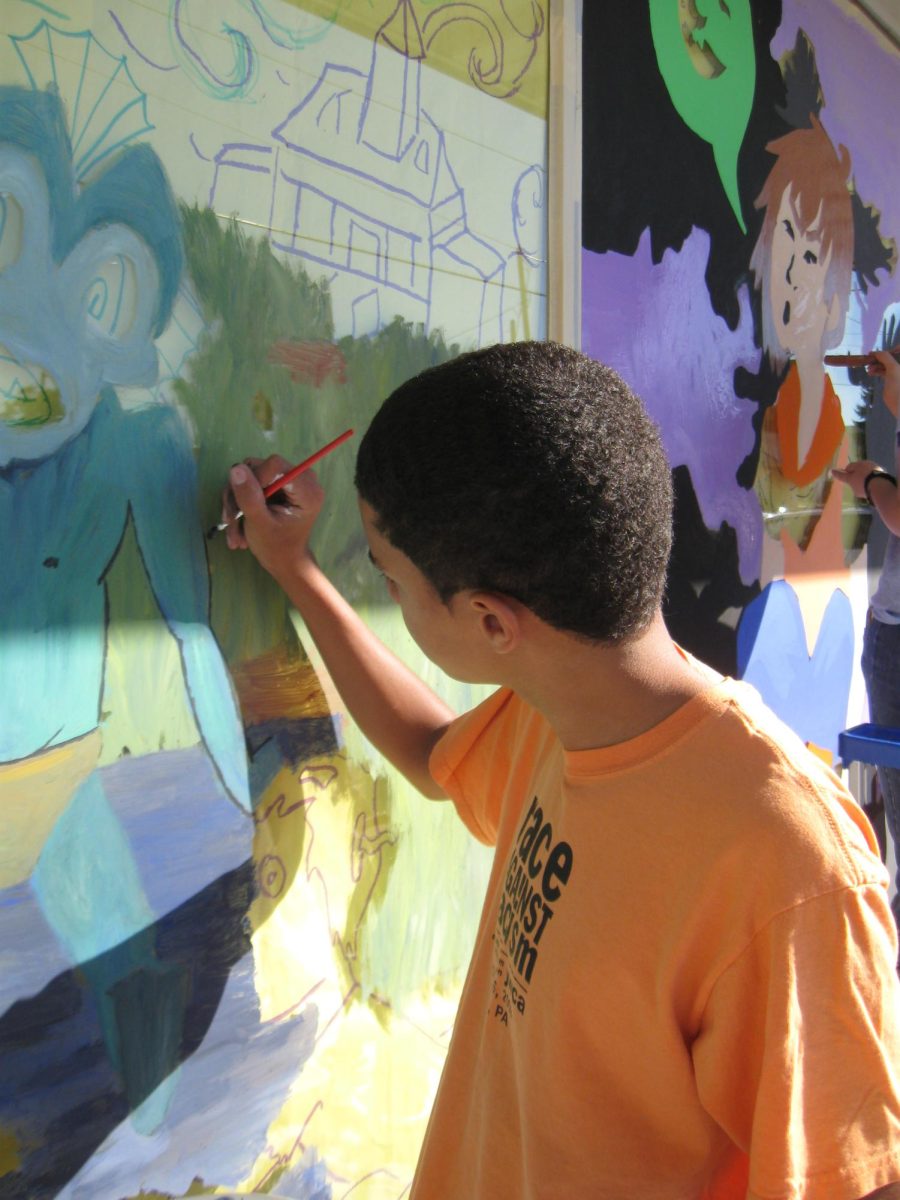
682,985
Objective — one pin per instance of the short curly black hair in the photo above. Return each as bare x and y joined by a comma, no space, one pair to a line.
529,469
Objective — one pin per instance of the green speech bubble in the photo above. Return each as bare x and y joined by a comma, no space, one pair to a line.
706,56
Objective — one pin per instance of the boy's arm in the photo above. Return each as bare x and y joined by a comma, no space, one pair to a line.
881,490
396,711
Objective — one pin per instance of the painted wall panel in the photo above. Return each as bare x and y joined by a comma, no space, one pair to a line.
231,940
739,222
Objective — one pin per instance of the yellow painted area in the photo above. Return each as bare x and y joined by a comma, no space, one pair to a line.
197,1188
35,405
156,715
362,1101
9,1152
323,848
36,791
498,46
279,683
820,752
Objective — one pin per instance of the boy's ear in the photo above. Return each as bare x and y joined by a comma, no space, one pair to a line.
499,621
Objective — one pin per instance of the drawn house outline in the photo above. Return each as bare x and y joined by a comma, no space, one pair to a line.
358,182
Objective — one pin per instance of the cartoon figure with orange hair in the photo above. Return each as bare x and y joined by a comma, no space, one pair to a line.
802,265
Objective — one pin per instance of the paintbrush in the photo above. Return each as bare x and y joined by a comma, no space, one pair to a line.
856,360
271,490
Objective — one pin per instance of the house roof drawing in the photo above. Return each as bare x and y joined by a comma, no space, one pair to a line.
360,157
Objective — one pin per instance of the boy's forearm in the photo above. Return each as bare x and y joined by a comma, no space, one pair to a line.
396,711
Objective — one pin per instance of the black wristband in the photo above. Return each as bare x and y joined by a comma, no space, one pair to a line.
876,474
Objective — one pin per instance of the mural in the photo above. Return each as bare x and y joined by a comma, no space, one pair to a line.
737,227
231,940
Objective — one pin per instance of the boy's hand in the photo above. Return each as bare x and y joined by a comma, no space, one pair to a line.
276,533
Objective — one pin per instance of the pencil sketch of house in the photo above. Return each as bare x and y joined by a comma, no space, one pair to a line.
357,182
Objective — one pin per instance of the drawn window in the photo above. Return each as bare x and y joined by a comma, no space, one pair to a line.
423,157
401,260
314,218
329,118
364,251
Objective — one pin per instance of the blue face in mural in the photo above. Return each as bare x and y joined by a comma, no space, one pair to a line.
69,327
88,273
87,276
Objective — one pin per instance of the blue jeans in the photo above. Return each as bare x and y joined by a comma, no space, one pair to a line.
881,671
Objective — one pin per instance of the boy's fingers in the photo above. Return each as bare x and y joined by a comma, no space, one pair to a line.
245,487
304,492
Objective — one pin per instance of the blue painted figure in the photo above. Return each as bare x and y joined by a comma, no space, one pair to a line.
88,275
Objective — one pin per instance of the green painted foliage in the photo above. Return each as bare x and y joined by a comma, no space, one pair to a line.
243,404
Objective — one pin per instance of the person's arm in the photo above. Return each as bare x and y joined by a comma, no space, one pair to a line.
881,490
396,711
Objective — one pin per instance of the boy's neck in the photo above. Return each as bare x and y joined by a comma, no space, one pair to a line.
601,694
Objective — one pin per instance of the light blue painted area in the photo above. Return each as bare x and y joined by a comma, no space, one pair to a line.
182,840
809,693
84,288
71,510
165,516
181,834
88,886
87,880
209,689
172,808
307,1179
209,1129
69,484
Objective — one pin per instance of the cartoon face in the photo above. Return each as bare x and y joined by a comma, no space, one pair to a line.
66,328
800,311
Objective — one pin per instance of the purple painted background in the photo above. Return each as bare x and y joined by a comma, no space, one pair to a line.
656,326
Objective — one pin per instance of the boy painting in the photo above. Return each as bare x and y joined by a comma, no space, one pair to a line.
683,981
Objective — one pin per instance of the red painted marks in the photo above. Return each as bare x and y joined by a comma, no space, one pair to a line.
310,362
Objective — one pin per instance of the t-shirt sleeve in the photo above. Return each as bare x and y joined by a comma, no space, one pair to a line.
471,762
798,1058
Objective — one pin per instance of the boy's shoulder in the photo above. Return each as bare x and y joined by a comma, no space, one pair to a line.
782,795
